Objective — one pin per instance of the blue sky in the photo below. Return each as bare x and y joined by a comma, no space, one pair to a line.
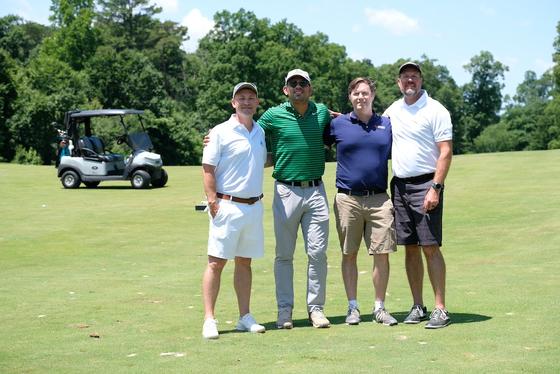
517,33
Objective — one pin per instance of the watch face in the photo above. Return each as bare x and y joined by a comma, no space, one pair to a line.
436,186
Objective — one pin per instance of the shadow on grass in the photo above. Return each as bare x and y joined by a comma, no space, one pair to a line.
456,318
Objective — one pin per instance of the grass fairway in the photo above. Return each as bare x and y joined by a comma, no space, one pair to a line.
126,265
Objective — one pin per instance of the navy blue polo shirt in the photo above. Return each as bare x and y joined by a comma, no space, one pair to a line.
362,151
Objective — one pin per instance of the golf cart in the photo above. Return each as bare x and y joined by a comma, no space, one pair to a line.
90,163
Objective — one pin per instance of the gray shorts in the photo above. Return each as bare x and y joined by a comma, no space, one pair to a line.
413,225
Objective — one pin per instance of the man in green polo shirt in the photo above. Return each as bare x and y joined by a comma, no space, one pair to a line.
295,129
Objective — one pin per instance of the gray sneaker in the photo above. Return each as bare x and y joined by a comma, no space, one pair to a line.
284,320
383,316
438,319
418,313
353,316
318,319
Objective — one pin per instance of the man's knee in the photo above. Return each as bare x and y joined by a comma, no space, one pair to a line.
431,251
243,262
216,264
381,259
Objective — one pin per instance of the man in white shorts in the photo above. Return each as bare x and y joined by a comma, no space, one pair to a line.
232,164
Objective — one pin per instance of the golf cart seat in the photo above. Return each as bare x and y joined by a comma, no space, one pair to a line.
93,148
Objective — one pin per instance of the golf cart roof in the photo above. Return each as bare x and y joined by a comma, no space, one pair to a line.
104,112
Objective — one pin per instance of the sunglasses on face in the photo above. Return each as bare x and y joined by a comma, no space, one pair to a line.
295,83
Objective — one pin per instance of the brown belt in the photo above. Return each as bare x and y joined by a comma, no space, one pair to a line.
250,200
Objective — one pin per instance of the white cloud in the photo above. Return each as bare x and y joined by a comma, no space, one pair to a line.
392,20
198,27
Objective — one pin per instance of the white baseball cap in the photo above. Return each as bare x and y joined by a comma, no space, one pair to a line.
297,73
242,85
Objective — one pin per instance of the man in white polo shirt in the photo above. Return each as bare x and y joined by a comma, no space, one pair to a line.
421,153
233,163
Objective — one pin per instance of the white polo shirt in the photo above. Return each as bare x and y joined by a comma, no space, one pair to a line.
416,130
239,157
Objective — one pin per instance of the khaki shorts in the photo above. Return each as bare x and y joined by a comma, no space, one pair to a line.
370,217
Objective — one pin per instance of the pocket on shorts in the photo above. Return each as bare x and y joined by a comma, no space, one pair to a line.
219,214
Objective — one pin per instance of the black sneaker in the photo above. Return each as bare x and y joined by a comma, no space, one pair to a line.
438,319
418,313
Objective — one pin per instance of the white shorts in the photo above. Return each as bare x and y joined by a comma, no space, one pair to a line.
236,231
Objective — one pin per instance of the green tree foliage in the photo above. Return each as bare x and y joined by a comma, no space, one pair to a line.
552,111
8,95
20,39
75,39
26,156
46,89
127,23
125,79
496,138
243,47
556,59
526,116
116,53
482,95
534,114
168,58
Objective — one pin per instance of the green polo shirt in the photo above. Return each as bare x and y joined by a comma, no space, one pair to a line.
296,141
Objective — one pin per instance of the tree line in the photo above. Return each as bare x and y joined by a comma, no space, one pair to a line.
117,54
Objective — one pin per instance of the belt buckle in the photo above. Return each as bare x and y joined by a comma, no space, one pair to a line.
305,184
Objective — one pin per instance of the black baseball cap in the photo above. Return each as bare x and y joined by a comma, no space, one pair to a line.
410,64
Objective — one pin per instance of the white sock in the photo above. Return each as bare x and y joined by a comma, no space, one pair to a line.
379,304
352,304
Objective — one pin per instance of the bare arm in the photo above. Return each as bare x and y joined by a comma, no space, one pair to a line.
442,167
269,160
209,181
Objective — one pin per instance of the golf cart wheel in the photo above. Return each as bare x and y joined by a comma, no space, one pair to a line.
161,181
70,179
91,184
140,179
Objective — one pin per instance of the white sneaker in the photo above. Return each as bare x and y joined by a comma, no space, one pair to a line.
248,323
318,319
210,329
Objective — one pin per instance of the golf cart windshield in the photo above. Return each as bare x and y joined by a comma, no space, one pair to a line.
140,141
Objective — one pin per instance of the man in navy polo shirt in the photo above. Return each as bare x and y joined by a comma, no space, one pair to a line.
362,206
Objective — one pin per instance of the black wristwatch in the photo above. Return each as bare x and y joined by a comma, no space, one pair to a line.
437,186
